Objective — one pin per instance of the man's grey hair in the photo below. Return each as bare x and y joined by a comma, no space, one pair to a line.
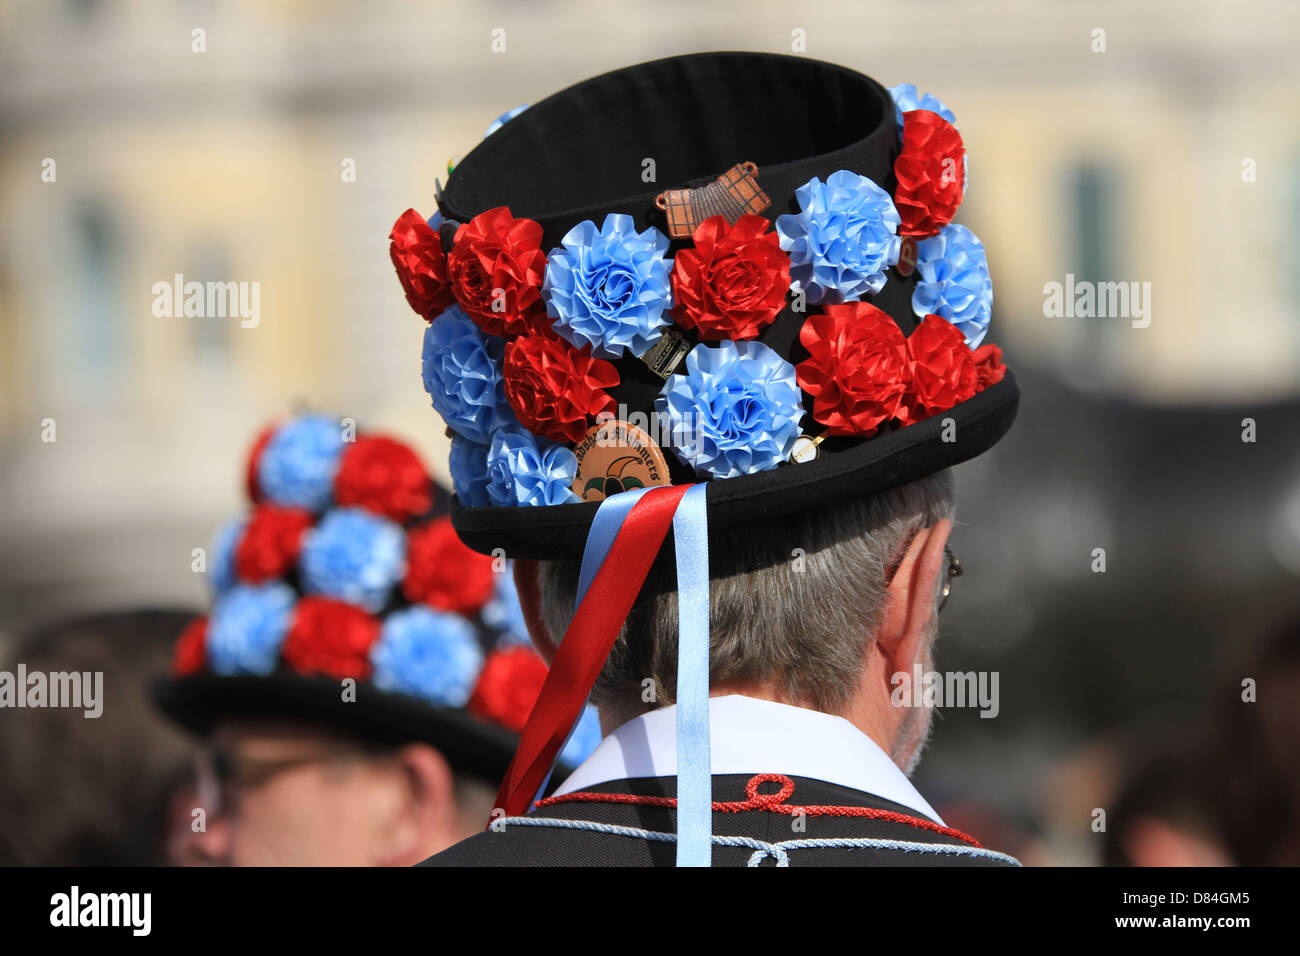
793,602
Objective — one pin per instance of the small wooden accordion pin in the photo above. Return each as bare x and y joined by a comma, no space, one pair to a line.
732,195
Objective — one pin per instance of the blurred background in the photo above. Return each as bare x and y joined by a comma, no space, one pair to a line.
1155,143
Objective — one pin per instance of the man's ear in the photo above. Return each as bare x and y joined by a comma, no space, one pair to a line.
424,817
530,602
910,603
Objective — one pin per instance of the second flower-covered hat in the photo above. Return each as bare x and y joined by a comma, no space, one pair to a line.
342,598
731,268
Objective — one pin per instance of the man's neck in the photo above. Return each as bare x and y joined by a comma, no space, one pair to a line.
611,718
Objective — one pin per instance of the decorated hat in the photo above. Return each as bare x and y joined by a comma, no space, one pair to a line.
697,293
345,566
731,268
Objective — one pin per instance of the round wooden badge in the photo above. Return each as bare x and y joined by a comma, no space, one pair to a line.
615,456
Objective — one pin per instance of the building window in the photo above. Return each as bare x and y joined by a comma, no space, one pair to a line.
210,334
99,334
1096,255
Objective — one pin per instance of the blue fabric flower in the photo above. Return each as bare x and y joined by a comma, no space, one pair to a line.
736,410
609,288
954,281
906,99
469,478
526,470
428,654
843,239
221,563
504,118
584,739
505,615
298,465
247,627
354,556
462,373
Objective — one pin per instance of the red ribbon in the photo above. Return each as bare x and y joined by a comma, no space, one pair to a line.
587,644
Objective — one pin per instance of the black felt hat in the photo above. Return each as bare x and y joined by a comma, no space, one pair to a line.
727,134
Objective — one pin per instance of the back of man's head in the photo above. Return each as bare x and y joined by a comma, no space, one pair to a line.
793,602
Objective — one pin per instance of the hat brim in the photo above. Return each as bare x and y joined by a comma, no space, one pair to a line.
854,470
845,469
202,701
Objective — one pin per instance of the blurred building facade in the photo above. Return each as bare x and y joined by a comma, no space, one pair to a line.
1164,149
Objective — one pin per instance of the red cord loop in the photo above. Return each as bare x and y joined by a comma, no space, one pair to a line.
763,800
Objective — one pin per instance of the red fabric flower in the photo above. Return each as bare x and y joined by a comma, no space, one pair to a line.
255,462
331,637
508,687
857,367
931,172
191,648
496,268
385,476
416,251
271,542
554,388
943,369
733,283
443,573
989,369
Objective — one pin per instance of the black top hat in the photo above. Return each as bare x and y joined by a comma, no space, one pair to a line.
737,268
344,600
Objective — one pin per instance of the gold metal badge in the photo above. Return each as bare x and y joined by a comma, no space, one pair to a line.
806,449
667,352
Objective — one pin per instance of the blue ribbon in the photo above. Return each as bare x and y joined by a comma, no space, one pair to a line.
604,529
694,775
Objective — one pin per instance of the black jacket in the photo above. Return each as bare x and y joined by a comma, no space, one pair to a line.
884,833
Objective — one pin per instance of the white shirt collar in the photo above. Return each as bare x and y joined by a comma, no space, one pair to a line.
748,736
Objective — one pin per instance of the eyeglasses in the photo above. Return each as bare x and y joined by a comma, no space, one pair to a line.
952,569
220,775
